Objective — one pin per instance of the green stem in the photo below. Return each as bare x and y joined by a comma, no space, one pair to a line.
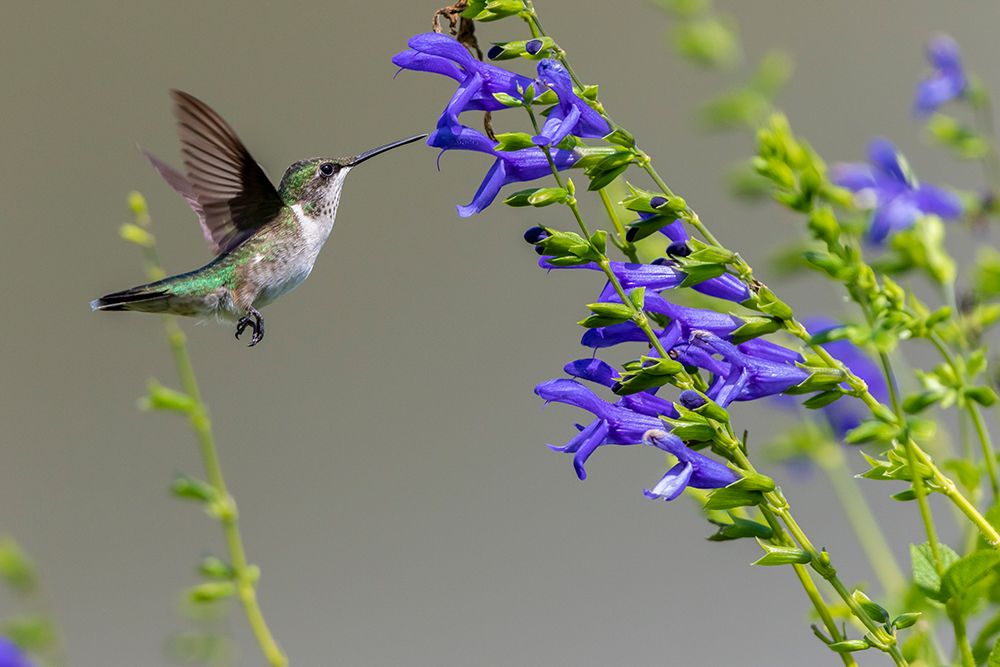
989,456
961,636
244,575
983,114
627,247
831,459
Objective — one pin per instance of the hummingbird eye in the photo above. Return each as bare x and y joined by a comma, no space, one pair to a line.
326,169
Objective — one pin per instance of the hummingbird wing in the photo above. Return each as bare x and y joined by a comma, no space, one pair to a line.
183,187
235,194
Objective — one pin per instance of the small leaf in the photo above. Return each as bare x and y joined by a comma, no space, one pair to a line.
968,571
925,575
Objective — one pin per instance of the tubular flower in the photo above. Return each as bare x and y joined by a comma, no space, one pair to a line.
478,81
618,425
946,81
572,115
739,375
509,167
899,200
692,469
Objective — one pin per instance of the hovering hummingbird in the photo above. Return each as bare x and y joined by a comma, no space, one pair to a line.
266,240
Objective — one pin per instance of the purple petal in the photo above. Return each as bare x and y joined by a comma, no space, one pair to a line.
594,370
672,484
488,190
854,176
900,212
435,44
940,202
573,393
422,62
884,156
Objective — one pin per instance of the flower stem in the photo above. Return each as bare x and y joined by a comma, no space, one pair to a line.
244,575
621,241
831,459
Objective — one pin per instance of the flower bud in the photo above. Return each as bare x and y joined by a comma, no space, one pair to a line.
535,235
691,399
533,46
678,249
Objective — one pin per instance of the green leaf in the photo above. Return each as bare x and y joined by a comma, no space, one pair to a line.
823,399
708,40
968,571
32,632
994,659
513,141
925,575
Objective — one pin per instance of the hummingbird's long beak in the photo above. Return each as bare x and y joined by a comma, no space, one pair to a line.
358,159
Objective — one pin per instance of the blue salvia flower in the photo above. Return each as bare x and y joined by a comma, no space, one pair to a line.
478,81
947,80
847,413
572,114
12,656
663,275
739,375
618,425
526,164
899,200
692,469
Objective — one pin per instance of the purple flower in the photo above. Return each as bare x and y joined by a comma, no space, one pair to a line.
478,81
899,199
619,425
663,275
510,166
572,115
946,81
740,375
12,656
692,469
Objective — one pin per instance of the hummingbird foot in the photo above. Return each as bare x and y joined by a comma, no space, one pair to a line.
253,320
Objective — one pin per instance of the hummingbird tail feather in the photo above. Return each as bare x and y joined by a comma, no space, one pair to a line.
140,298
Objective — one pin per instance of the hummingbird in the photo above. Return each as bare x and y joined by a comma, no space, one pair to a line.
265,239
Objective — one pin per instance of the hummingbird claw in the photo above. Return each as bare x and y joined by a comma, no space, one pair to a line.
254,320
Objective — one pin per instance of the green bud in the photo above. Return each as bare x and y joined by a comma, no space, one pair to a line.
769,304
216,568
872,610
849,646
660,366
135,234
159,397
193,489
906,620
781,555
547,196
919,402
211,591
982,395
754,481
140,211
16,568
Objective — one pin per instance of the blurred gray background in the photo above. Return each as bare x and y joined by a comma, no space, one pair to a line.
383,442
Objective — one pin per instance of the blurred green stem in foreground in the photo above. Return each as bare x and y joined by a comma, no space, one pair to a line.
240,577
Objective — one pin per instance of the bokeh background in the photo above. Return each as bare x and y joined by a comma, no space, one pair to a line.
383,442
